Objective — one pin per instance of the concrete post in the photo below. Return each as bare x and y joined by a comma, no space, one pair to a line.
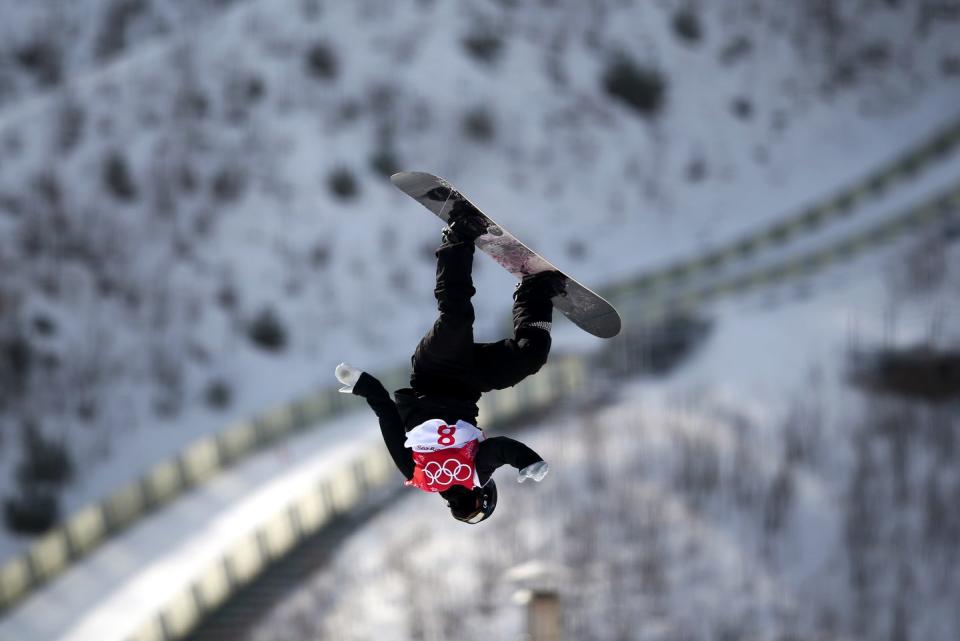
538,586
544,616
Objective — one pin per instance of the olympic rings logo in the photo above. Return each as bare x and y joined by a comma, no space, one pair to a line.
447,474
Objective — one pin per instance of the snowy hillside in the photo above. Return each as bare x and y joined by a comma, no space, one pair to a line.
695,527
196,223
47,44
766,500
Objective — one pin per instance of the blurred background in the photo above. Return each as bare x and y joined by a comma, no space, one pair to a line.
197,225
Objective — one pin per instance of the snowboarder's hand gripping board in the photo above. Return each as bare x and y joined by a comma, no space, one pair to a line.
586,309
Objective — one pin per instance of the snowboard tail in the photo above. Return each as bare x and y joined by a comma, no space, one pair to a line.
582,306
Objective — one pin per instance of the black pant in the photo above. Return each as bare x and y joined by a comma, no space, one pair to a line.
448,363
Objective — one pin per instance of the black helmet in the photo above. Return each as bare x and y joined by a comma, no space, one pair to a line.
473,506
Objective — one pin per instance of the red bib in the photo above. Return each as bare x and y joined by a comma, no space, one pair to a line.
439,470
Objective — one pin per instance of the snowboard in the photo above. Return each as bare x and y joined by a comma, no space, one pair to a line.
585,308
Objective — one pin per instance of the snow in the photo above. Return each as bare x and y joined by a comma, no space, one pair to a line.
703,561
230,139
286,143
117,589
648,541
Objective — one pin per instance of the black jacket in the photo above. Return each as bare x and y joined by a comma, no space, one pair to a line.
411,410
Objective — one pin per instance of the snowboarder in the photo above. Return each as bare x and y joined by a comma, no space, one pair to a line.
430,429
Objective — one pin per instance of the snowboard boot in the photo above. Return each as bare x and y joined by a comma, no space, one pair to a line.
533,306
465,225
552,283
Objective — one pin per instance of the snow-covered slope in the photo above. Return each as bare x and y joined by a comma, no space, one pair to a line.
753,494
116,591
47,44
199,224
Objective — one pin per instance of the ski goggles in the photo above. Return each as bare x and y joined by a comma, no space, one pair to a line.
476,517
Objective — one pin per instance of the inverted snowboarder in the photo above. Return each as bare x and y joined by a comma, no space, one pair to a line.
430,429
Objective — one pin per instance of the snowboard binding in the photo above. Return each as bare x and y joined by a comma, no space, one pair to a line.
465,225
553,282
